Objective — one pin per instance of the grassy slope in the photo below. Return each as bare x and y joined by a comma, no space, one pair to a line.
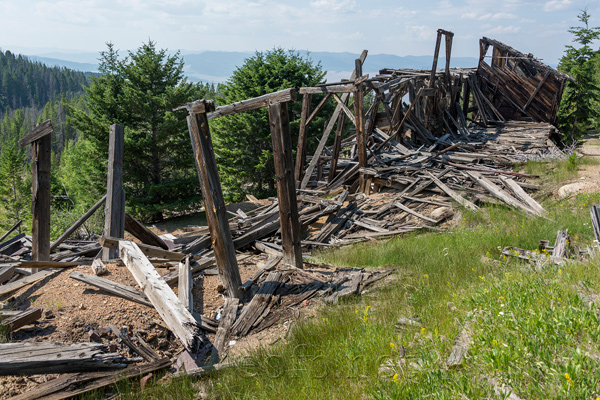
530,329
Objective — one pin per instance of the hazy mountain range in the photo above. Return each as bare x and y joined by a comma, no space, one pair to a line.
217,66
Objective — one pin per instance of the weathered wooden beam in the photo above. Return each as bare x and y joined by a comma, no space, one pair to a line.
214,205
41,130
185,284
70,385
6,272
348,88
302,136
282,96
21,319
114,288
455,196
179,320
15,226
286,185
16,285
51,264
55,358
149,251
225,324
145,235
78,223
114,212
40,204
359,115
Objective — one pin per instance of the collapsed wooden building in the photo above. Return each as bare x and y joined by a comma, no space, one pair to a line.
426,138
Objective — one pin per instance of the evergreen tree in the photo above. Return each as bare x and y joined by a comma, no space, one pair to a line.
140,92
579,106
15,187
243,141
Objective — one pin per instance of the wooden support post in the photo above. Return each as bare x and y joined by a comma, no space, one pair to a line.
359,116
41,147
286,185
114,224
212,194
301,150
337,146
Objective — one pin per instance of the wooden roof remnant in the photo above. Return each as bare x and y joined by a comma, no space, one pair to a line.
520,86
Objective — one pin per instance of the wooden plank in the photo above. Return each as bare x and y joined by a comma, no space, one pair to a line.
282,96
347,88
6,272
228,318
78,223
179,320
413,212
140,232
523,196
114,288
286,185
16,285
302,142
214,204
21,319
595,215
498,192
15,226
41,130
455,196
149,251
53,358
114,211
185,284
337,147
69,385
254,310
52,264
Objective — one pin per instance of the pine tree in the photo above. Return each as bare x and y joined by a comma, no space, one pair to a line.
243,141
579,106
140,92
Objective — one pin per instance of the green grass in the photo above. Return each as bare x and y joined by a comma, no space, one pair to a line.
530,329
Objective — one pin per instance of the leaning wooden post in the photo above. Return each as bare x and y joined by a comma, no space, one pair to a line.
41,147
302,142
361,140
114,212
212,194
286,184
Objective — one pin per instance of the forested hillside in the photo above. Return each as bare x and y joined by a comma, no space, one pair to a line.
24,83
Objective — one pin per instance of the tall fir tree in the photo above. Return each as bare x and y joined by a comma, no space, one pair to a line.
243,141
140,92
15,186
578,111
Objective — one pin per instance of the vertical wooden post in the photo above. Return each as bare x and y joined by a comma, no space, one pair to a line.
301,150
337,146
212,194
360,118
185,284
40,204
286,186
114,211
449,36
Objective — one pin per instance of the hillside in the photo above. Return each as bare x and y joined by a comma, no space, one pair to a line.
26,83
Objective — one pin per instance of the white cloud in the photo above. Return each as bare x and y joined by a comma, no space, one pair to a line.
557,5
334,6
503,29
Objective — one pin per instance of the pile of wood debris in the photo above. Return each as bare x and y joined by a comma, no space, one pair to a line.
419,158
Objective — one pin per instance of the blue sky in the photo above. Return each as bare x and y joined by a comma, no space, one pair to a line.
381,26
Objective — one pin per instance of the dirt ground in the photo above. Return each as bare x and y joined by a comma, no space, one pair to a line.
588,177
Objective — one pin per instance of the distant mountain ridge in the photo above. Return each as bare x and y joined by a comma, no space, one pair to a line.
217,66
